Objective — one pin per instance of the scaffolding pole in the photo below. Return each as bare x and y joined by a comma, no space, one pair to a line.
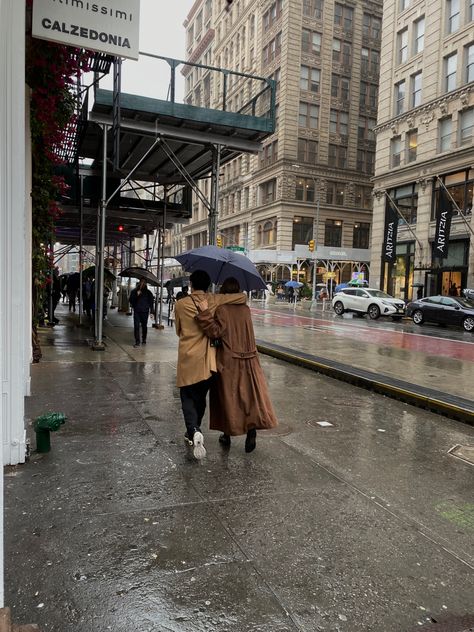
163,232
99,282
214,206
81,245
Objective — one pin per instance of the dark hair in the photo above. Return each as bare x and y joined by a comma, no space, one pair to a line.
230,286
200,280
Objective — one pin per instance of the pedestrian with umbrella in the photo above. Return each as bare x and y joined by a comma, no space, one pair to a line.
196,355
141,300
239,399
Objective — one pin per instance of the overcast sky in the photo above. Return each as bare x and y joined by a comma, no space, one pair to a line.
161,33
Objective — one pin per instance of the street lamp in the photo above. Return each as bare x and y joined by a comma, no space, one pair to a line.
315,237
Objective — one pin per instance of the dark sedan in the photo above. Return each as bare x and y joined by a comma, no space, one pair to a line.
445,310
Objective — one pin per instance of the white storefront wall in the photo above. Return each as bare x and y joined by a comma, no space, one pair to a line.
15,312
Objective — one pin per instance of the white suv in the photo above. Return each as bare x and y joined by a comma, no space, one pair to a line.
369,301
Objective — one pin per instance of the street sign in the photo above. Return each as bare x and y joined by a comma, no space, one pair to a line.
110,27
236,248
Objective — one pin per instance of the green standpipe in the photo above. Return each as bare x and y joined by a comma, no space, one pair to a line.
44,425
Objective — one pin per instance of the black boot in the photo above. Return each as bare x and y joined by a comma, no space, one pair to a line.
251,440
224,440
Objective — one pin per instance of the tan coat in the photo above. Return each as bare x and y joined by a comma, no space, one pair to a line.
239,396
196,358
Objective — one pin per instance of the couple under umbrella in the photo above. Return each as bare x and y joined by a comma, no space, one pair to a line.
217,351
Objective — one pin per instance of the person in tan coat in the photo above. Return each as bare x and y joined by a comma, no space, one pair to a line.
196,356
239,401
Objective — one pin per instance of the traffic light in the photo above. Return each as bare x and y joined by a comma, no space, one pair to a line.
120,228
311,245
219,241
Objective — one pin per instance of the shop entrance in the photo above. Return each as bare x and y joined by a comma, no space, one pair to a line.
451,283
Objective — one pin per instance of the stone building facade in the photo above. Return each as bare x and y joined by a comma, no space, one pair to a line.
324,56
425,146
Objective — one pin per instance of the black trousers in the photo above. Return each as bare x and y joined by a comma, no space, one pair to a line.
193,403
140,318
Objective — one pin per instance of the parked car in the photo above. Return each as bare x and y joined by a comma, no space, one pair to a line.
369,301
445,310
356,283
469,294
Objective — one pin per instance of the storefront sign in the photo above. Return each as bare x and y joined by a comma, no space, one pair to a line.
390,234
444,214
110,26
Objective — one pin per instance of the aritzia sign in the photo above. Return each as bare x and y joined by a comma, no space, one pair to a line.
444,215
110,26
390,234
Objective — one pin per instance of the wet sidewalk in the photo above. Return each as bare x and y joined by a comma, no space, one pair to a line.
365,525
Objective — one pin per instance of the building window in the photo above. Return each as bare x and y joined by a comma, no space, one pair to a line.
419,35
269,154
363,197
452,7
337,156
302,230
267,233
404,4
396,151
450,66
370,61
268,191
307,150
412,144
365,130
272,15
333,233
371,26
365,161
400,89
471,10
343,16
406,199
445,130
339,122
402,46
335,193
304,189
466,126
272,50
311,42
308,115
460,186
340,87
341,53
416,81
368,95
469,56
361,234
313,9
310,79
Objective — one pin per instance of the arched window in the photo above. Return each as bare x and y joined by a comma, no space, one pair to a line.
269,233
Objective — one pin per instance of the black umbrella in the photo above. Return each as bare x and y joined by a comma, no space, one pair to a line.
89,273
135,272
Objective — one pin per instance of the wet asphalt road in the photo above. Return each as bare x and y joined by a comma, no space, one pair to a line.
363,526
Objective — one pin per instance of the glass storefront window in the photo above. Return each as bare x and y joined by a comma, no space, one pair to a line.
460,186
399,280
406,198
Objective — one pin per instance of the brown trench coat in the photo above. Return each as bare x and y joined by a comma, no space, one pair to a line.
239,395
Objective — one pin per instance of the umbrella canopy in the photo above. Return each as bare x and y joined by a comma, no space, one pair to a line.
140,273
220,264
89,273
293,284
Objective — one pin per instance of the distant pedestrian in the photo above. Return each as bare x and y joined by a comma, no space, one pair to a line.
182,293
453,290
141,300
196,356
239,400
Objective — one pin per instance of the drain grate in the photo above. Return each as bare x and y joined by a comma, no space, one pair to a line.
448,624
463,452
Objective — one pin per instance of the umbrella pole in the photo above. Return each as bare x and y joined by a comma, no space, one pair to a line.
99,344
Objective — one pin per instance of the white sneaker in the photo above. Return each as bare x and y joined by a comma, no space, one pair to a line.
199,450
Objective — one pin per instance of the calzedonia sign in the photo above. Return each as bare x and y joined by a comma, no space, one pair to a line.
110,26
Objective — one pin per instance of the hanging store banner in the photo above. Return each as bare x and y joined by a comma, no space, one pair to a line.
444,215
110,26
390,234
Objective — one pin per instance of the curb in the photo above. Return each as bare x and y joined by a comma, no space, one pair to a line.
451,406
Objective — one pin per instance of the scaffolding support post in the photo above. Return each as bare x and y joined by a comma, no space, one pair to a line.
99,282
81,245
160,325
214,207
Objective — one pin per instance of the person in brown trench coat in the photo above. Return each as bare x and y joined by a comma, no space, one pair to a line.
239,399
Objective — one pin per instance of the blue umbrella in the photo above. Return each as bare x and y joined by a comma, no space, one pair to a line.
293,284
220,264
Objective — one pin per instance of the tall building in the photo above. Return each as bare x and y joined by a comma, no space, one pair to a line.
424,149
313,178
